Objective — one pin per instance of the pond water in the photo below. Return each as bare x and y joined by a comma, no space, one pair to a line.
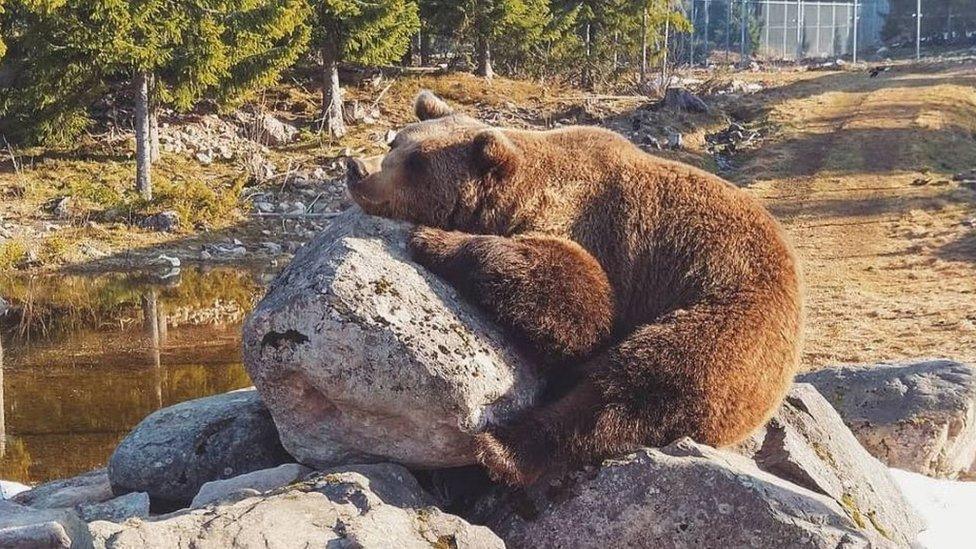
86,357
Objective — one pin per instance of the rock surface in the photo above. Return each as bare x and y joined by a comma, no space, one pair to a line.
174,451
134,504
167,222
683,100
253,482
89,488
354,507
25,528
801,481
362,355
919,416
807,443
683,495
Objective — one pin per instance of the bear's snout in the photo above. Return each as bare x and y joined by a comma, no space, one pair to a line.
355,170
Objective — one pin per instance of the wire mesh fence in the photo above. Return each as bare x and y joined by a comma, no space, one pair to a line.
796,29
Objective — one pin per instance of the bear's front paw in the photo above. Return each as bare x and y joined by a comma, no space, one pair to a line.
433,248
503,463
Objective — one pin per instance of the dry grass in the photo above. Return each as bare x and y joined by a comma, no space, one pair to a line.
860,175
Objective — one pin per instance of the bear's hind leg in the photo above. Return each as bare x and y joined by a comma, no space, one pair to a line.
714,372
550,291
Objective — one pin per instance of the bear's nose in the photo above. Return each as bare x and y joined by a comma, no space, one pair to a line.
355,169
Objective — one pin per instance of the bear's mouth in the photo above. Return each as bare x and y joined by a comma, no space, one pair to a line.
365,201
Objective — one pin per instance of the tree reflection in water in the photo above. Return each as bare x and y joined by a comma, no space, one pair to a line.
89,356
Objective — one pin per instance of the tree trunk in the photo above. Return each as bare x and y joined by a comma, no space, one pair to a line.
153,135
643,62
153,123
424,48
407,59
143,138
331,92
3,425
484,58
586,80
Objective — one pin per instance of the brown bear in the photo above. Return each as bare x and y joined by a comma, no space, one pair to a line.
665,301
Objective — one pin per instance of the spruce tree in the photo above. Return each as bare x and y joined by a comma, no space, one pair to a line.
171,53
515,27
369,32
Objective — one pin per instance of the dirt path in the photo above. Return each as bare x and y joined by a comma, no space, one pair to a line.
861,178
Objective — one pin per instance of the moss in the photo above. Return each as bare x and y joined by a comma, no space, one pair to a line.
12,254
847,501
873,517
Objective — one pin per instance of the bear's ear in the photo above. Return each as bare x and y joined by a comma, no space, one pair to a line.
428,106
494,153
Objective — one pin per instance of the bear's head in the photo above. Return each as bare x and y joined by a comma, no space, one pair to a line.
438,172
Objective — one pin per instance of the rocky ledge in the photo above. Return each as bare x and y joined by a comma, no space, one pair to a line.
371,378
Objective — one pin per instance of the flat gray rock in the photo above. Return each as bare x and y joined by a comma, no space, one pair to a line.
88,488
133,504
362,355
807,443
174,451
26,528
918,416
341,508
253,483
683,495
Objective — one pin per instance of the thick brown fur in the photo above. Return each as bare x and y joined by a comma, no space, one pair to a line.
670,296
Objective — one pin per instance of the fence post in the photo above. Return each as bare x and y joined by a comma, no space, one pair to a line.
742,30
819,53
691,39
855,32
766,27
707,20
918,30
786,25
728,32
799,29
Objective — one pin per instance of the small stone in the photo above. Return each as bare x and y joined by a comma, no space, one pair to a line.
272,247
169,261
683,100
205,157
166,221
264,207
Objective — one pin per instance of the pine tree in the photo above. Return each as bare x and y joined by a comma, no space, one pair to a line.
369,32
172,53
514,27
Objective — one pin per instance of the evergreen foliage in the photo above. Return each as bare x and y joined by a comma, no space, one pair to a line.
71,50
367,32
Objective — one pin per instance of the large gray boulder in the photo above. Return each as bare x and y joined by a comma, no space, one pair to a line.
683,495
377,506
174,451
807,443
26,528
801,481
919,416
362,355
